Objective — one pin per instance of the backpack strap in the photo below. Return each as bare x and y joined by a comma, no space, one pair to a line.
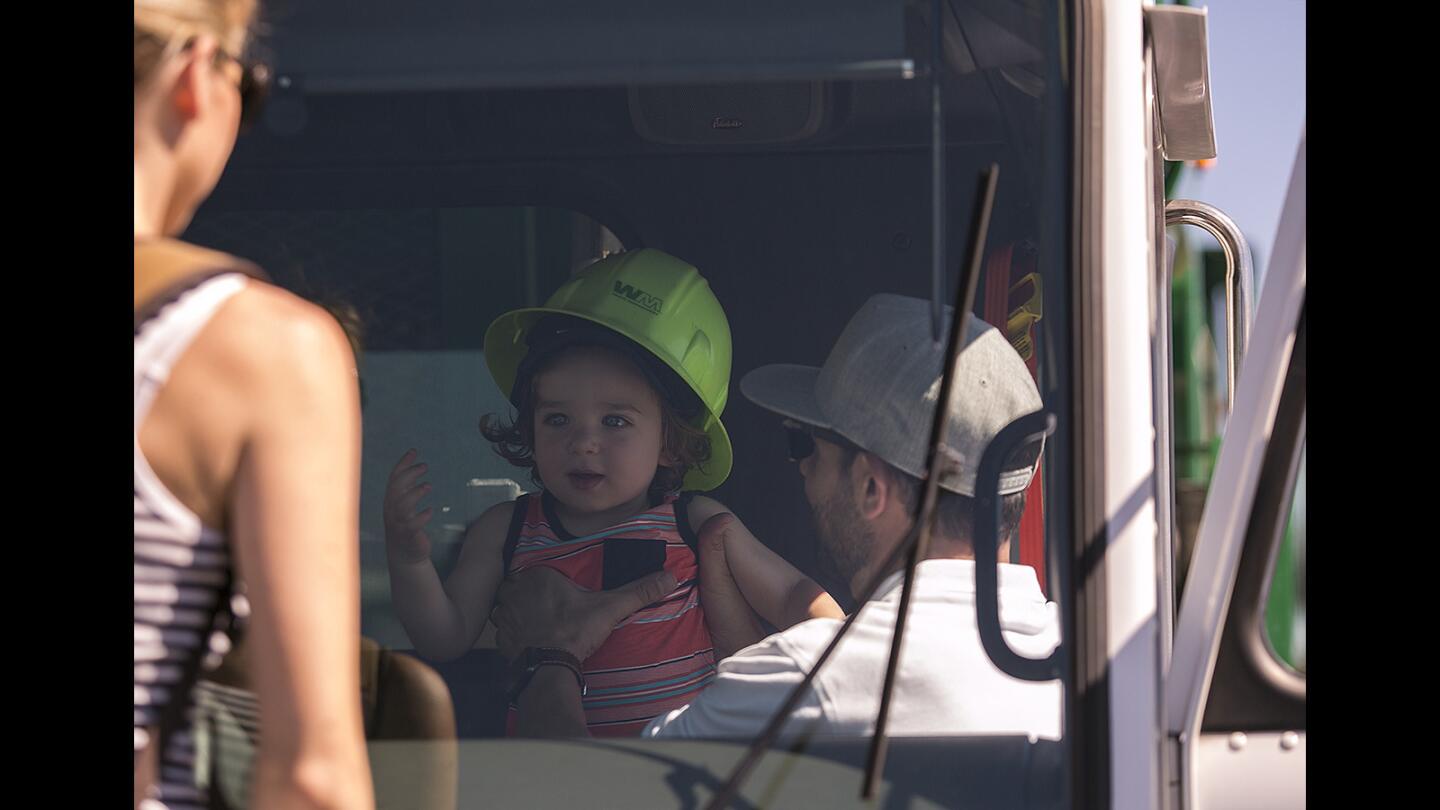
682,521
512,534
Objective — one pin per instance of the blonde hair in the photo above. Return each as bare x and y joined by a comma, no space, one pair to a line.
163,27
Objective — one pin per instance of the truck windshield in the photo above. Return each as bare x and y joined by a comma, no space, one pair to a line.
422,201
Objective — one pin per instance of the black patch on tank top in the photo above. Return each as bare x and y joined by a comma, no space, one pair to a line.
628,559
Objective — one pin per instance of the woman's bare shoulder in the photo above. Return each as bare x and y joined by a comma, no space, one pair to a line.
266,333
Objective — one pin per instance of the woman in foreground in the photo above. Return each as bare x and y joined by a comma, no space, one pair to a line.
247,450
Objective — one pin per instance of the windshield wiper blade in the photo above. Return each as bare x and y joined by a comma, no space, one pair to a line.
767,737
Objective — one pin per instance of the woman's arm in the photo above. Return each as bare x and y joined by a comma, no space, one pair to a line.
294,523
773,587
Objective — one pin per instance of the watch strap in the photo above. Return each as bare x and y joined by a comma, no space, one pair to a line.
533,658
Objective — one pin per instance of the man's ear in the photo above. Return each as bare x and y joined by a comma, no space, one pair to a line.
871,486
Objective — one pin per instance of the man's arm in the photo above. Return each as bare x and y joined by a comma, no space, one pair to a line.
539,607
550,706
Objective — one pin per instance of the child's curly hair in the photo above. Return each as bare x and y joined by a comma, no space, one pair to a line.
686,444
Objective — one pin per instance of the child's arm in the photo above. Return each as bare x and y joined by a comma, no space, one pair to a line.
728,616
763,579
442,621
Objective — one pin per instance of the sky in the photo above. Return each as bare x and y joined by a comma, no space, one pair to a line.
1257,81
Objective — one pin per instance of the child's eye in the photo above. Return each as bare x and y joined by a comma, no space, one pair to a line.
554,419
615,421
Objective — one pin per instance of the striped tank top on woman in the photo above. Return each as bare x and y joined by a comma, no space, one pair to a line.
184,605
661,657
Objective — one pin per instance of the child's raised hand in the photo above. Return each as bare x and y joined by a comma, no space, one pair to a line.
405,537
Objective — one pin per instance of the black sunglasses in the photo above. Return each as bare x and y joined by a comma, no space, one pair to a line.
254,87
801,440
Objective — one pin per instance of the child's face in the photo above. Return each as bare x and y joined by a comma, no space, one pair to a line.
598,430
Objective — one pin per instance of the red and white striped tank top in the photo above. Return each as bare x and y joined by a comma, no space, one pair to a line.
659,658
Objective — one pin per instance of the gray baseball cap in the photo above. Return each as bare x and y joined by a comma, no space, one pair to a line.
879,386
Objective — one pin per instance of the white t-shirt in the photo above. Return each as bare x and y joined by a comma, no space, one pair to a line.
947,684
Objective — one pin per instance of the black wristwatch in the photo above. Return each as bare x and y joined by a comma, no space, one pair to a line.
534,658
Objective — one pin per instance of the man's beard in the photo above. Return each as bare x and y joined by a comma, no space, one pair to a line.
846,540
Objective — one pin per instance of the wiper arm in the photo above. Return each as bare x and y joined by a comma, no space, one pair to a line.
936,463
937,169
766,739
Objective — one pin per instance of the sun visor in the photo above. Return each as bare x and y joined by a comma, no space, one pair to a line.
339,46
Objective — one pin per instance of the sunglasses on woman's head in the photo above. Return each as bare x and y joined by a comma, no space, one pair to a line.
254,78
254,87
254,82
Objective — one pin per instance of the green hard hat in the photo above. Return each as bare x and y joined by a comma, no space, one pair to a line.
665,307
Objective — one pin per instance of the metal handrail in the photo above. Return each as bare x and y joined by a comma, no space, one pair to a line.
1026,430
1239,278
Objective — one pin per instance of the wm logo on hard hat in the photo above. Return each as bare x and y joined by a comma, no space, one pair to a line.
638,297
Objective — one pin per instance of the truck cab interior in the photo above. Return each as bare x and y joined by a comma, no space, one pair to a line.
422,171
